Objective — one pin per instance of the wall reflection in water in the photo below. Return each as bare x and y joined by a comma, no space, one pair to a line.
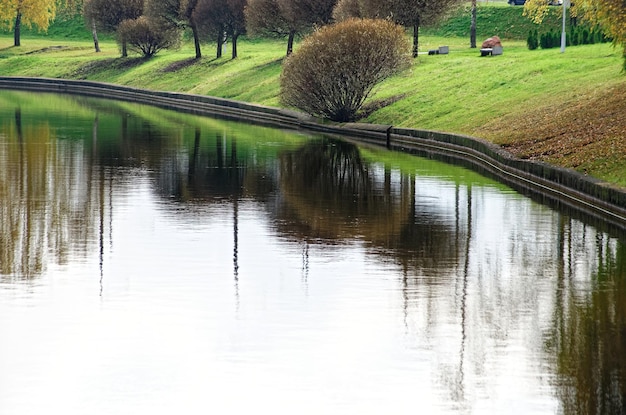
489,283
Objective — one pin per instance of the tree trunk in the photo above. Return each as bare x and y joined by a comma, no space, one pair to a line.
94,34
194,157
196,39
473,26
292,35
18,123
124,49
16,31
416,29
220,44
234,45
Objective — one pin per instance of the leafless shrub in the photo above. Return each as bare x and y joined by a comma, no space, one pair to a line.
146,36
336,68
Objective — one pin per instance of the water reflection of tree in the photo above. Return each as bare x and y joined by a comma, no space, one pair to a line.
44,201
329,192
589,335
212,169
52,195
208,172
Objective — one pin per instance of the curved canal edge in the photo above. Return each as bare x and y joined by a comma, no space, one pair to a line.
563,186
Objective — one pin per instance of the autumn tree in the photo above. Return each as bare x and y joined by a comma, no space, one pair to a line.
335,69
107,15
536,10
15,13
222,20
606,15
287,18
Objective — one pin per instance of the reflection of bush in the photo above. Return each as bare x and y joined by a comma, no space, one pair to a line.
328,187
330,193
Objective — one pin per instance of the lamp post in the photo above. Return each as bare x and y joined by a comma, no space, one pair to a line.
563,36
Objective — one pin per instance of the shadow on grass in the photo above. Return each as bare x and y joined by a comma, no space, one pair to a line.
267,67
99,66
24,50
48,49
176,66
370,107
269,64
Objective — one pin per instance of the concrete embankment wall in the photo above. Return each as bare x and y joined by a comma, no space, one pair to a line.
563,186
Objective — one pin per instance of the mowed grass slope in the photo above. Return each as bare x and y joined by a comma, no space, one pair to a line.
568,109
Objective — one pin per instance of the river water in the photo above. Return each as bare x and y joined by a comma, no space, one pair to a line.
156,262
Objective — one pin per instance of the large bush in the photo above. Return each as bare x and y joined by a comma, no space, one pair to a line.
147,36
335,69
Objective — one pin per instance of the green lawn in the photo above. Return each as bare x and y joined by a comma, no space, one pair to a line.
462,91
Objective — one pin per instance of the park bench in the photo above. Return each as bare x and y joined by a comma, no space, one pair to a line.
496,50
443,50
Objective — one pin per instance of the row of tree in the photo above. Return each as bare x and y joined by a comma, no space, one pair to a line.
149,25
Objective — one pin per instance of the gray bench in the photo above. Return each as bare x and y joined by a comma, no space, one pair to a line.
443,50
496,50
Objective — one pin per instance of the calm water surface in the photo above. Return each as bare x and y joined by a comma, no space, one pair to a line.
154,262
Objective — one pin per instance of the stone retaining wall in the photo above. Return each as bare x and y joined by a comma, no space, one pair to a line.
563,185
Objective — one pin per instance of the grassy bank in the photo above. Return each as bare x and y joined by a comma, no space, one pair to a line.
568,109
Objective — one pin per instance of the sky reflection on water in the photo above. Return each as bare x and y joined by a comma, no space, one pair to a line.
163,263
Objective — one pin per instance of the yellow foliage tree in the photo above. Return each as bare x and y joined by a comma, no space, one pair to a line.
14,13
536,10
607,15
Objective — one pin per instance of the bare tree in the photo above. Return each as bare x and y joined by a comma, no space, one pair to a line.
417,13
90,23
106,15
175,14
287,18
236,22
187,8
222,20
410,13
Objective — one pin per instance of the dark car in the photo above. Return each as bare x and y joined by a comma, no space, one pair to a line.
517,2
